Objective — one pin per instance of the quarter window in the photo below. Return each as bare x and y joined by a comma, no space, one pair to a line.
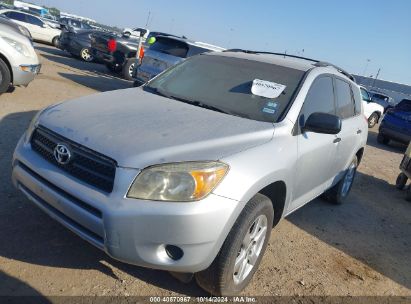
345,102
320,98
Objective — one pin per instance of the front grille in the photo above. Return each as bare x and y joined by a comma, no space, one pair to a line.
86,165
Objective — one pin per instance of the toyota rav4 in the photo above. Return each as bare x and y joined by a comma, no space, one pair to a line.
190,172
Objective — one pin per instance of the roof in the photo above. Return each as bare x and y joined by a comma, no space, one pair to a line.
290,61
195,43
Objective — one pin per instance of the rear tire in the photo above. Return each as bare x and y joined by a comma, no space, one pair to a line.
338,194
244,247
401,181
128,69
373,120
56,41
382,139
5,77
85,55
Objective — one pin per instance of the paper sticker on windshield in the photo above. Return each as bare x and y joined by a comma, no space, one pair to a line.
269,111
267,89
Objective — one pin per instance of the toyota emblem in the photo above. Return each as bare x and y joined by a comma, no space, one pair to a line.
62,154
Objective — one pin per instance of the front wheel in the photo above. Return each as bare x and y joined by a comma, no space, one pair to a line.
401,181
340,191
382,139
5,77
242,251
373,120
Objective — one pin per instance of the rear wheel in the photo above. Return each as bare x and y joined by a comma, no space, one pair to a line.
373,120
128,69
242,250
85,54
382,139
401,181
5,77
56,41
340,191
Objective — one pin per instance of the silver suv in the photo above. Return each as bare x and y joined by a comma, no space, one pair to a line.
190,172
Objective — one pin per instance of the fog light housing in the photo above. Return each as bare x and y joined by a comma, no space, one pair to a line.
173,252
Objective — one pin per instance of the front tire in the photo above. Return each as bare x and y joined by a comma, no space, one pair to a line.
340,191
242,251
5,77
382,139
401,181
373,120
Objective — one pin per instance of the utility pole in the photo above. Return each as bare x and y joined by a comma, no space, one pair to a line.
376,77
148,18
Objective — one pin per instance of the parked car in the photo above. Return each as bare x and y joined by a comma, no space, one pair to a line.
118,53
18,61
77,44
39,30
166,52
396,124
135,33
190,172
18,28
386,101
74,24
372,110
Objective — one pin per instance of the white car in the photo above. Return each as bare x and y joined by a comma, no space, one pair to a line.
136,32
372,110
39,30
18,61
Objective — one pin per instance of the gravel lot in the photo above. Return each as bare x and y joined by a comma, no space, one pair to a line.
359,248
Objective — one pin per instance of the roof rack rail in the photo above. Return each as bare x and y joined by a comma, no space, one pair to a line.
271,53
344,72
317,63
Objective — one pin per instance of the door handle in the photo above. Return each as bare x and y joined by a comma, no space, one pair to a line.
359,132
337,140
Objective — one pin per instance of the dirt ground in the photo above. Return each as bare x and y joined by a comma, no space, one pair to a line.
359,248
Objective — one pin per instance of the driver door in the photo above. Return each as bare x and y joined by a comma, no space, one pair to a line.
316,152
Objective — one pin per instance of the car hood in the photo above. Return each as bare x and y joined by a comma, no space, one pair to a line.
138,129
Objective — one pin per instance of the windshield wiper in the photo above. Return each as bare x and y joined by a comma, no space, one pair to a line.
188,101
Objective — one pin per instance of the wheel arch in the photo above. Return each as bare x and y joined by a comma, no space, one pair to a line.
6,61
277,193
360,154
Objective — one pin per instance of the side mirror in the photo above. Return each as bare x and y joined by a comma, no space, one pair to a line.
323,123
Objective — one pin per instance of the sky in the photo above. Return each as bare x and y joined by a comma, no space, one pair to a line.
360,36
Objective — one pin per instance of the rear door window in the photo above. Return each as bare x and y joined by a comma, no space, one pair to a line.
34,20
345,101
170,46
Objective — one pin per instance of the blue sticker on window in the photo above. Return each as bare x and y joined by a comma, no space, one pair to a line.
268,110
272,105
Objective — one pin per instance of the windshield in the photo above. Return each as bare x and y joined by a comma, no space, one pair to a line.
224,84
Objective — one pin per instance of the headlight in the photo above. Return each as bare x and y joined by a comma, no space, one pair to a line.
178,182
19,47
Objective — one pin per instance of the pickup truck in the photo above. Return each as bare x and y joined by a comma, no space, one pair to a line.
117,52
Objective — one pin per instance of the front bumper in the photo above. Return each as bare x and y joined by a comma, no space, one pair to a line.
24,74
129,230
